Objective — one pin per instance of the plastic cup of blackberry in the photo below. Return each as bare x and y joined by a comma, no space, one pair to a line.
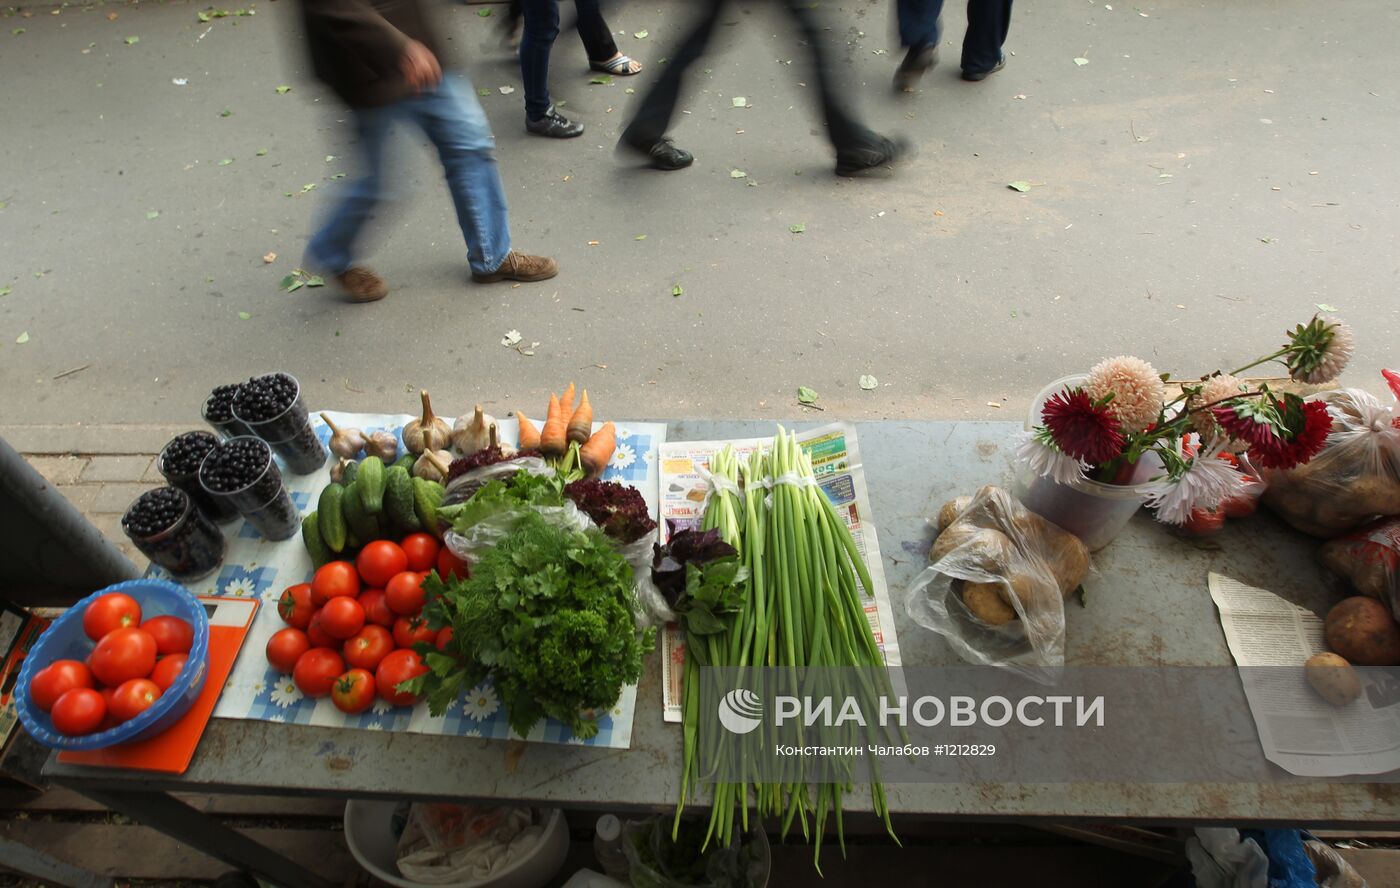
179,463
165,525
218,411
271,407
242,472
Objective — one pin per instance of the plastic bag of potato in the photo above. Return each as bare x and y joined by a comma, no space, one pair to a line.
1370,560
997,584
1354,479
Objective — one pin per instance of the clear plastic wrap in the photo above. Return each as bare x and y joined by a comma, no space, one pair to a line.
461,488
444,843
1354,479
998,582
655,861
1370,560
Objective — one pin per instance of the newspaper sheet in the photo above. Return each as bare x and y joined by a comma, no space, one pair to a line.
836,461
1300,732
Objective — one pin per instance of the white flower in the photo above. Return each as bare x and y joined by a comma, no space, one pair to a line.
1206,482
1046,460
481,703
243,588
277,717
471,732
259,686
285,693
624,456
381,706
576,741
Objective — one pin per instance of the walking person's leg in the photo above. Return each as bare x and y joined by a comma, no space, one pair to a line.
453,120
857,146
598,42
988,22
647,131
332,248
536,42
920,28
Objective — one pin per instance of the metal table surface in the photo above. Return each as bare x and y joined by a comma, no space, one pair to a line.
1147,604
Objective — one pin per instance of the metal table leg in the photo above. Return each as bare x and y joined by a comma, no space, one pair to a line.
169,815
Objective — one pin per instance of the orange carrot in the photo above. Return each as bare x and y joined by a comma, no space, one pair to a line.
552,436
529,434
566,400
598,452
581,423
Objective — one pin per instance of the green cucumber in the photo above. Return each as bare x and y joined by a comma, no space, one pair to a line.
347,476
332,519
370,479
399,503
357,516
311,538
407,461
427,496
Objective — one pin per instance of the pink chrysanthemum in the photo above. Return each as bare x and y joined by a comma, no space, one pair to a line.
1213,391
1137,391
1081,427
1319,350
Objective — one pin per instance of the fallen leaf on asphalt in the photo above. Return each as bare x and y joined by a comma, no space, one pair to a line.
738,174
226,113
17,31
4,291
868,382
806,395
484,12
1019,96
994,404
938,212
180,81
602,80
1321,306
283,90
131,41
243,316
1081,61
22,338
594,243
111,16
337,175
261,152
798,228
291,283
1019,185
507,90
640,237
308,187
677,291
330,157
740,102
226,161
629,90
315,280
511,338
269,258
641,35
152,214
483,92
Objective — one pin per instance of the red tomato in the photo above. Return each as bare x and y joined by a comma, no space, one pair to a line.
1241,506
317,633
408,631
57,679
398,667
133,698
315,673
123,654
333,581
108,720
79,711
380,560
366,648
167,670
1203,522
376,611
422,551
172,634
295,607
405,594
444,638
285,647
449,565
115,610
354,691
342,617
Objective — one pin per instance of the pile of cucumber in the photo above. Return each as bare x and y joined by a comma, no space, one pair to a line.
370,502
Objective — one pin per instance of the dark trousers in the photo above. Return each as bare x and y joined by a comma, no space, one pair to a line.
658,106
537,39
987,24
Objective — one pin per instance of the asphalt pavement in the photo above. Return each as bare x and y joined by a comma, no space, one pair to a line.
1197,177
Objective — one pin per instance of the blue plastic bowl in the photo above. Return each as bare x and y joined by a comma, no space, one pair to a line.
65,640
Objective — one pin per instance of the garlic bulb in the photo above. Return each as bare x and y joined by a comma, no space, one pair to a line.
345,443
433,465
430,432
383,445
507,450
338,469
469,433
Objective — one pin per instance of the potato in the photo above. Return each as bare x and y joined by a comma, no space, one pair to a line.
1362,631
950,511
1333,678
981,547
1374,495
985,602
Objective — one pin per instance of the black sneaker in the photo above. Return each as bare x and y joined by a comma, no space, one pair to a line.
879,152
663,153
975,76
917,62
554,125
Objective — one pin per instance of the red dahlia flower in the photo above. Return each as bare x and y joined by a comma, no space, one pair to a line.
1082,428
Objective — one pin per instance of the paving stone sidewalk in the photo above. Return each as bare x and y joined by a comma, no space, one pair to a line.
100,469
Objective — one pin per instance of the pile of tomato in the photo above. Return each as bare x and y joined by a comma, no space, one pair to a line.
133,663
352,631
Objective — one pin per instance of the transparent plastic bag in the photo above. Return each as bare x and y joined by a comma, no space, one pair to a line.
461,488
1370,560
1354,479
998,582
655,861
444,843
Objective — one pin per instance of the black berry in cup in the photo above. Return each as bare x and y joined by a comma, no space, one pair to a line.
265,397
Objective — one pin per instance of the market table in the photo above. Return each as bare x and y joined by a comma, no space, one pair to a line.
1148,605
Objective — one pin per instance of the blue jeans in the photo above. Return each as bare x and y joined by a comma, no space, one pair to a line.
987,24
537,39
453,121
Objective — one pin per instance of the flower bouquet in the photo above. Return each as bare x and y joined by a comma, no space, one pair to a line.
1187,450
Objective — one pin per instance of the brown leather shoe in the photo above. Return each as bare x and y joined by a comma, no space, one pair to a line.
359,284
520,267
